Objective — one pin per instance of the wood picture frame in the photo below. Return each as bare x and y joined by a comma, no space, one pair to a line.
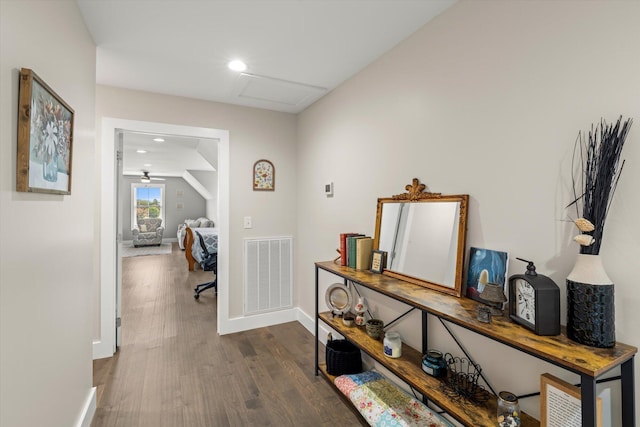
45,138
561,404
264,176
378,261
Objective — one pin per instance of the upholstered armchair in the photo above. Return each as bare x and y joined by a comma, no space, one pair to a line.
148,232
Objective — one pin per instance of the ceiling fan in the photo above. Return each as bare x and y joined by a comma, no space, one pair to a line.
146,178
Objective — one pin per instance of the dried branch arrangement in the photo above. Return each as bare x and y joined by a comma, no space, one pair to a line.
596,159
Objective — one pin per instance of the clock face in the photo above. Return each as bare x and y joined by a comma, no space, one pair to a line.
525,301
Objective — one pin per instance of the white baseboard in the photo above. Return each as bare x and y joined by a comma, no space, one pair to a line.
239,324
309,324
88,409
101,350
306,320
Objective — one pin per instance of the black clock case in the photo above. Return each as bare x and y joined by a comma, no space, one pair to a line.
547,295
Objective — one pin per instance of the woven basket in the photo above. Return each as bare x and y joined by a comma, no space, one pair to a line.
343,358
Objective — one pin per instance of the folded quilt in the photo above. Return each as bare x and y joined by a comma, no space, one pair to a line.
382,404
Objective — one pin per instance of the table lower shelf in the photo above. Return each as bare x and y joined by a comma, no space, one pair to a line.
409,369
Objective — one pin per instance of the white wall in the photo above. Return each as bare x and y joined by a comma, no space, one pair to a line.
254,134
47,245
487,100
209,180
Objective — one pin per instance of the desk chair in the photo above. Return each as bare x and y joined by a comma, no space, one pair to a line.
209,263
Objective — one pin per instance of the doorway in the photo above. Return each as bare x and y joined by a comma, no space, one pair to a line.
104,344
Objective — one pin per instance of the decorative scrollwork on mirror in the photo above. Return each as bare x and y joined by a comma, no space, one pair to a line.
424,235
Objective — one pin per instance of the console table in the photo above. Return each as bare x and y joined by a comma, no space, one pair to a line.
588,362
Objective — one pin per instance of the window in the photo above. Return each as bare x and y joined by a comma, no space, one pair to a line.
147,201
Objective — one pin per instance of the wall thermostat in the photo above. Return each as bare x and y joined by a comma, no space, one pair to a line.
328,189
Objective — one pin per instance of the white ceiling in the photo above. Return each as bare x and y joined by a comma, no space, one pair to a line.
171,157
296,50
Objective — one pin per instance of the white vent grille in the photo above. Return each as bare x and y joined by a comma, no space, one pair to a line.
268,271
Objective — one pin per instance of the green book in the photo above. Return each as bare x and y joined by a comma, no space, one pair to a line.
351,250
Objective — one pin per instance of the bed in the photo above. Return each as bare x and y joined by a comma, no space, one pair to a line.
194,253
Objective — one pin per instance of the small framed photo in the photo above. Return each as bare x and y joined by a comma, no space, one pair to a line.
378,261
264,176
45,138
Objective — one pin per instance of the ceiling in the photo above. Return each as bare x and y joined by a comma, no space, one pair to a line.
296,50
168,158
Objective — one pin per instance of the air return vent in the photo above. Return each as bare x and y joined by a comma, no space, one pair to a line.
268,274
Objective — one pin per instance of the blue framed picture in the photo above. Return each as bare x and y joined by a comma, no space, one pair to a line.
485,266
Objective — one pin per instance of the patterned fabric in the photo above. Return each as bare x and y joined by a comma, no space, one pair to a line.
192,223
210,236
147,232
151,224
382,404
201,222
205,222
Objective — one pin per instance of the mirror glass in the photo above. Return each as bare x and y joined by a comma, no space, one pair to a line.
424,237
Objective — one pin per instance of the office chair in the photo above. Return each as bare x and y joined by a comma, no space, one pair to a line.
209,263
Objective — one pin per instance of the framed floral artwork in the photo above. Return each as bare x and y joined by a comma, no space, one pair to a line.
45,138
264,176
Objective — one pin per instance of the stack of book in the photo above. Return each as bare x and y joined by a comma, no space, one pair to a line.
355,250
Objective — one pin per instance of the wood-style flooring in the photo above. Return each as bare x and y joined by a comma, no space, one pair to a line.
174,370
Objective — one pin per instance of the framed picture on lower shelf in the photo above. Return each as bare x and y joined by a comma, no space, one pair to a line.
561,404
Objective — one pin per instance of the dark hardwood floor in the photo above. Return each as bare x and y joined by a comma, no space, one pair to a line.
174,370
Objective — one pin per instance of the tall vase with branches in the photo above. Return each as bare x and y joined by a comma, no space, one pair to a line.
590,299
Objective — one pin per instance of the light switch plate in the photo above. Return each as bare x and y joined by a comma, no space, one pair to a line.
248,222
328,189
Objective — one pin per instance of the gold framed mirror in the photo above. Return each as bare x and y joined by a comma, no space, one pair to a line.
424,235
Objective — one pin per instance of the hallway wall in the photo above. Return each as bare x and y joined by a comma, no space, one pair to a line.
254,134
485,100
47,249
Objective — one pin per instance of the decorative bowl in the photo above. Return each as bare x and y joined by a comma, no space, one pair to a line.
348,319
374,328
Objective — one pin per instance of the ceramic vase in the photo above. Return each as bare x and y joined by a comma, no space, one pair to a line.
590,303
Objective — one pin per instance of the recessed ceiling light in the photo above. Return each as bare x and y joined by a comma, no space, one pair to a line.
158,139
237,65
141,151
148,164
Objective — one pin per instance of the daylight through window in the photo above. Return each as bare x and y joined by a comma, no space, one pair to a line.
147,201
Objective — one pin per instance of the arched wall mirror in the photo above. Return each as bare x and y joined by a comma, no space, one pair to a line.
424,235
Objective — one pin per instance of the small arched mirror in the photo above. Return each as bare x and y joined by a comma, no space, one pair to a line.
424,235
